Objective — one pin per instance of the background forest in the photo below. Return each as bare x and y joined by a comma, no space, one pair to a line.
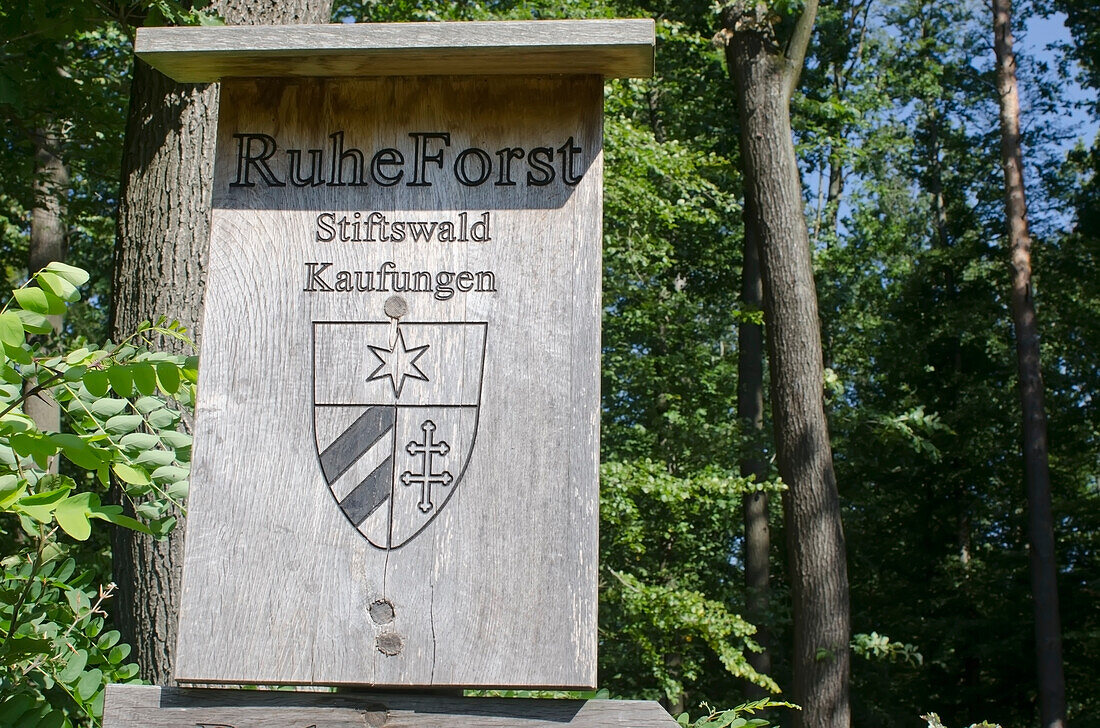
896,127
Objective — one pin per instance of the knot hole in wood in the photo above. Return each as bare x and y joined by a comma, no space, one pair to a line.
381,611
389,643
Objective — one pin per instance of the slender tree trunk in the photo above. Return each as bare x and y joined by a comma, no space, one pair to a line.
1044,585
765,75
47,244
836,190
935,179
160,261
750,411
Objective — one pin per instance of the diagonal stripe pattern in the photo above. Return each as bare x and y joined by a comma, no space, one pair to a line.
347,463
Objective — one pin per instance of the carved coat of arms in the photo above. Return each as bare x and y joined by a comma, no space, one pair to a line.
395,412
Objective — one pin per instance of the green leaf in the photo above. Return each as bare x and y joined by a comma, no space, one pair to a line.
65,571
163,419
18,354
32,443
74,373
16,422
14,707
55,718
151,510
51,496
178,490
126,672
77,356
169,474
78,451
155,458
72,515
169,376
130,474
34,323
58,286
145,405
39,301
122,381
74,275
190,369
74,667
94,626
118,653
107,406
145,377
96,382
120,424
113,514
11,329
9,375
108,639
175,439
90,682
11,489
19,647
139,441
163,527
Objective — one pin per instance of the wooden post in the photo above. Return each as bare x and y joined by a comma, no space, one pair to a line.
395,469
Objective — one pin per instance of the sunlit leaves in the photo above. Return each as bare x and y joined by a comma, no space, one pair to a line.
122,405
669,585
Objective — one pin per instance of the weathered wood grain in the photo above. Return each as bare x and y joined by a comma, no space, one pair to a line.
143,706
482,557
609,48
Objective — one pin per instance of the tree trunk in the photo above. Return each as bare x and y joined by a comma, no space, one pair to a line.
750,411
836,189
765,76
160,259
47,244
1044,586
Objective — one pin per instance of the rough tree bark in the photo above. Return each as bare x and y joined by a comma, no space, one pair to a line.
765,71
160,259
1044,584
750,411
47,244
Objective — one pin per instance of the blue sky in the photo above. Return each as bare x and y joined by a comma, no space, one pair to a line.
1037,39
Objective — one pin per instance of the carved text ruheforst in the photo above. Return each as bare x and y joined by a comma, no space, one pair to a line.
426,159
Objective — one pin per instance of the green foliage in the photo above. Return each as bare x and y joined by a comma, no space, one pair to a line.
65,69
734,717
935,722
913,290
668,588
124,405
1083,20
875,646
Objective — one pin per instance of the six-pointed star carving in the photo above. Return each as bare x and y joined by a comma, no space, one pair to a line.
398,363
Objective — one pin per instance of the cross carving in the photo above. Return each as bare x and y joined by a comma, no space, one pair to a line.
428,450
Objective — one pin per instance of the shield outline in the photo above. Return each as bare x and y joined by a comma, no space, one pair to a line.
397,408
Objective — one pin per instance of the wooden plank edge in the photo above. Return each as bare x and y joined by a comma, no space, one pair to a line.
150,706
617,48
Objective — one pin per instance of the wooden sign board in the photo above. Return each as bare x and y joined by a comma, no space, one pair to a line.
145,706
394,476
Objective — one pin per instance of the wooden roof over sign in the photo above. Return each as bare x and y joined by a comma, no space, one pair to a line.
609,48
